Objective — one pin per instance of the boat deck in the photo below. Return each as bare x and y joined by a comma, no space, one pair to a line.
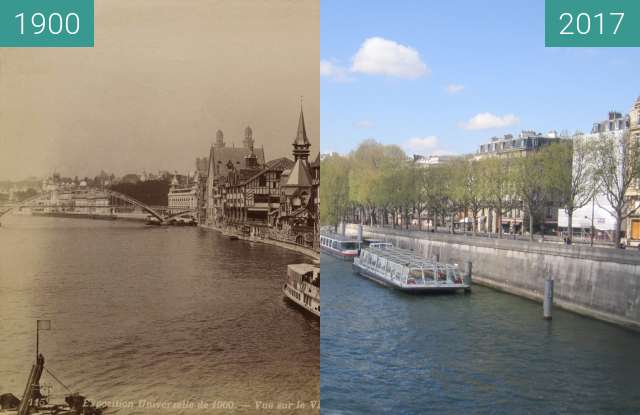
405,270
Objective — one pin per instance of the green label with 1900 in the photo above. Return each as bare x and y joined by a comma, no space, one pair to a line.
46,23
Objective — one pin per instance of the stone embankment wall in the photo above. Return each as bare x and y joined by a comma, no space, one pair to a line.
602,283
312,254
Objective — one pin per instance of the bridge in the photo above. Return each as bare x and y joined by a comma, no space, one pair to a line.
116,200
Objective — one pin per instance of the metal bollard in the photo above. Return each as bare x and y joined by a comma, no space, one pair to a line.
468,279
548,298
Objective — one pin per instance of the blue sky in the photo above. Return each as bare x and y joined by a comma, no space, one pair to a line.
491,55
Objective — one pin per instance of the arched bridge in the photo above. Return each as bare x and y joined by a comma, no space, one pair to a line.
43,200
134,202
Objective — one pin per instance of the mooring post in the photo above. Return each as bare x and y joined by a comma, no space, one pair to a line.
360,232
468,279
548,298
343,228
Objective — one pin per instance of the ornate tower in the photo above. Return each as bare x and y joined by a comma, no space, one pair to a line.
251,160
248,138
219,139
301,143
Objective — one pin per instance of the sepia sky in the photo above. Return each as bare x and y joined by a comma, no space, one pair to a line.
163,77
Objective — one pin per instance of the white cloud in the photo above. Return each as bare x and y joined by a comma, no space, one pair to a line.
454,88
487,120
364,124
378,56
422,144
332,69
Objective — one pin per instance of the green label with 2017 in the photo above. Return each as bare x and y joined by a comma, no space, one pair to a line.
592,23
46,23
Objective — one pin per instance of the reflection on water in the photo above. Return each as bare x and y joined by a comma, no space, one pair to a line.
155,313
383,351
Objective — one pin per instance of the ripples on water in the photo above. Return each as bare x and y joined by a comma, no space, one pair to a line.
156,313
383,351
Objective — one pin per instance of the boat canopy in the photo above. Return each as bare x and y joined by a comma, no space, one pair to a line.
406,265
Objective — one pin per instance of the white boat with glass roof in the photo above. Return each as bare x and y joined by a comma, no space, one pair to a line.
404,270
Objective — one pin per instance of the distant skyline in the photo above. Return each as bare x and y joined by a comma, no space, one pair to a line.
443,78
161,80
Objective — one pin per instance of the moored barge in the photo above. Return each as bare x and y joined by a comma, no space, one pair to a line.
404,270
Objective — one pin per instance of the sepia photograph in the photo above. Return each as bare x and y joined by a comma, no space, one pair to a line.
159,211
162,232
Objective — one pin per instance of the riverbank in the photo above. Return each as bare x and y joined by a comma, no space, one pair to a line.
297,248
138,217
596,282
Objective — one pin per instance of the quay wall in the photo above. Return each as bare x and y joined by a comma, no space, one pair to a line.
602,283
301,249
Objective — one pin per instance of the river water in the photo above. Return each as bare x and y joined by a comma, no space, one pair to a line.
384,351
147,316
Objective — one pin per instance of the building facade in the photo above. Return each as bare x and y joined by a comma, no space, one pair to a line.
184,198
510,146
224,160
633,222
513,220
276,200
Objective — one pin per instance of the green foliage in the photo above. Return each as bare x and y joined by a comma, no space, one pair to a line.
334,188
379,181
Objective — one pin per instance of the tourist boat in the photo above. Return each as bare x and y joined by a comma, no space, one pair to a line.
340,246
375,243
302,286
404,270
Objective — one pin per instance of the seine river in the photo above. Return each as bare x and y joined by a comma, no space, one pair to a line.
146,316
383,351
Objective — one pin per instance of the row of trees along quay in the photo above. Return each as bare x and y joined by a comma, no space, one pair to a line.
378,184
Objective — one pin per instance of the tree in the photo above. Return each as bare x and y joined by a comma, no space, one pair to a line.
474,194
463,189
569,168
617,171
530,184
369,161
334,188
496,186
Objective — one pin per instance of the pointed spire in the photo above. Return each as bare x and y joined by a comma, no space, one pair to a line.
301,135
301,144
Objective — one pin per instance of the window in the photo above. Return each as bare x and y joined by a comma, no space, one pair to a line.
262,181
349,245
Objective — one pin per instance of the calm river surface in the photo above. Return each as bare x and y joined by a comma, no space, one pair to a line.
152,313
383,351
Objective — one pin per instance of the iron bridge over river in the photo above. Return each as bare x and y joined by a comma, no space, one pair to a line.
43,202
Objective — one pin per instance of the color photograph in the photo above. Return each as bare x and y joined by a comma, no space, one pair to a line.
160,207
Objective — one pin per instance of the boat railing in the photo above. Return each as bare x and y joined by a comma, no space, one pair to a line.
415,270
